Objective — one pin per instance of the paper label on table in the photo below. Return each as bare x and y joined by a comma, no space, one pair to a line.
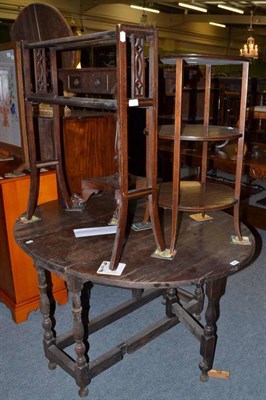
95,231
141,226
133,102
164,254
105,269
244,242
199,217
234,262
14,174
29,221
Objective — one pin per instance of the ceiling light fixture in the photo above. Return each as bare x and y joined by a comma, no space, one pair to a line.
192,7
153,10
217,24
250,49
233,9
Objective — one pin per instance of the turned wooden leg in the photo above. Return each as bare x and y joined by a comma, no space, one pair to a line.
214,291
81,364
171,297
199,296
45,307
137,293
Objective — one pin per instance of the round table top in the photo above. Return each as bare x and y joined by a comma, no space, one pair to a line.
39,21
204,250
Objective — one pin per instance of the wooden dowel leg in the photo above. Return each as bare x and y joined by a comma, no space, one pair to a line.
82,376
155,219
214,291
120,234
171,298
237,221
199,296
45,307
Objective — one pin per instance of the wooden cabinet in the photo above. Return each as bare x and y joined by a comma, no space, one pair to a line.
18,278
89,146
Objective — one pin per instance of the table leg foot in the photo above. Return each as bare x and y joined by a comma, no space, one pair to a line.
214,291
80,306
204,377
83,392
48,321
52,365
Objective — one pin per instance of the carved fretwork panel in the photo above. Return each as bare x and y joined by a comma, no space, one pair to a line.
42,71
138,66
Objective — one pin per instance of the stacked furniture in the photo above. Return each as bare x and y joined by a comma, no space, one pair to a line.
49,238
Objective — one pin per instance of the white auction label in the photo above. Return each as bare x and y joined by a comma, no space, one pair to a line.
122,36
133,102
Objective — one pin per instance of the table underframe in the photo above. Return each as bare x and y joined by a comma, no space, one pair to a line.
179,304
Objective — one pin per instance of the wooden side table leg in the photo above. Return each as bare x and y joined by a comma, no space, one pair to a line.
214,291
45,307
120,234
82,376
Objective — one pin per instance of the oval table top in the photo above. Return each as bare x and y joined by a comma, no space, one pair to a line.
203,252
39,21
200,133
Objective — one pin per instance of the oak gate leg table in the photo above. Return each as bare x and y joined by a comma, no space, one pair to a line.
205,257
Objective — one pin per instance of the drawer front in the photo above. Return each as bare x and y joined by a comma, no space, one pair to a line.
94,82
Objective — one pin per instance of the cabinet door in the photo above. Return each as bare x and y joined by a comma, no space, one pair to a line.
18,278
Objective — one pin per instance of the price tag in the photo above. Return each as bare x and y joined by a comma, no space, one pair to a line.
122,36
133,102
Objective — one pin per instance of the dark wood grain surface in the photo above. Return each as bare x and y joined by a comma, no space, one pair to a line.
199,132
203,59
204,251
38,22
198,196
89,147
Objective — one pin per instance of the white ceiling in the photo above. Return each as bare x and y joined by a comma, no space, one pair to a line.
171,6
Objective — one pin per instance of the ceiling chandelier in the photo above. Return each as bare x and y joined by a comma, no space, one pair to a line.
250,49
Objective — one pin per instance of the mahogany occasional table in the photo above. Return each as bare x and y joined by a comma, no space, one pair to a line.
205,257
